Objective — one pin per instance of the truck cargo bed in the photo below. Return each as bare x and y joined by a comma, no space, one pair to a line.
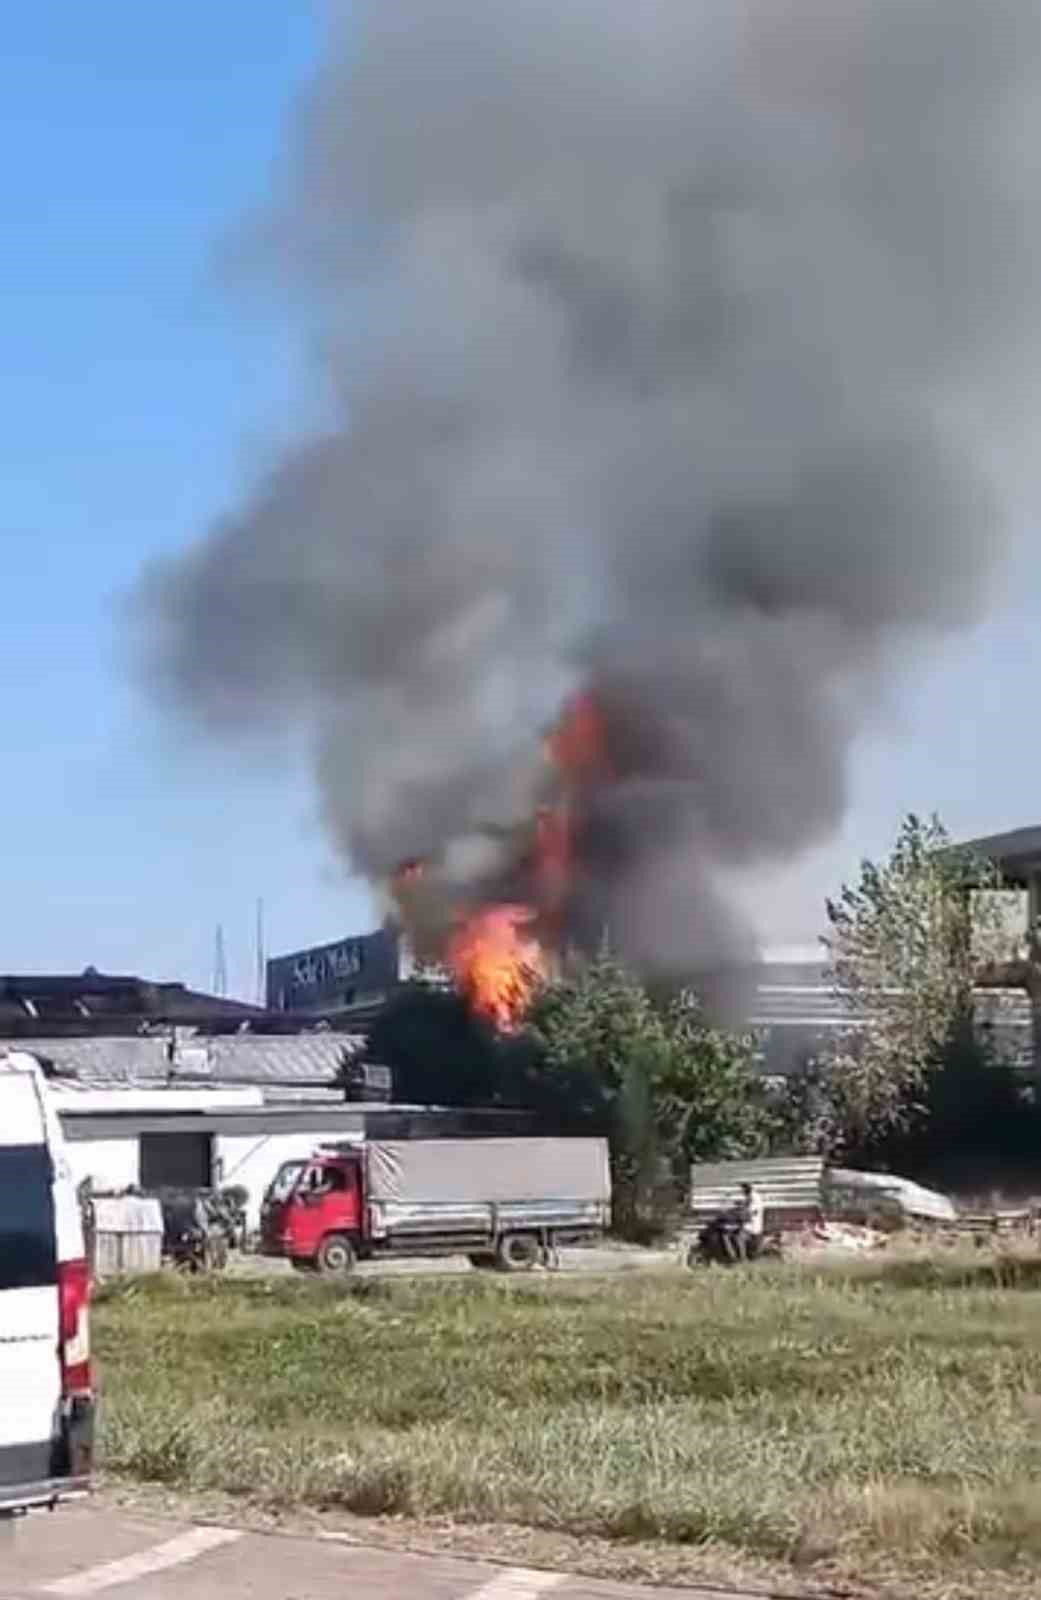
448,1187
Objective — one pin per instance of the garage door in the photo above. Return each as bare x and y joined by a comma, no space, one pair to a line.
176,1160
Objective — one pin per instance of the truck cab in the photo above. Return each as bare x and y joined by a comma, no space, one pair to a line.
313,1213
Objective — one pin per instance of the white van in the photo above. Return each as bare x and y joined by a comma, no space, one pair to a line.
46,1386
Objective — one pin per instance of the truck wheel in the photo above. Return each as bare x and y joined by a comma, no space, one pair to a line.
336,1256
517,1252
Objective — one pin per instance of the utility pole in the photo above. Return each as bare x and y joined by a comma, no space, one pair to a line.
261,970
220,965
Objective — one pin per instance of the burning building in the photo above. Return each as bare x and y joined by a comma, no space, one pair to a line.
674,356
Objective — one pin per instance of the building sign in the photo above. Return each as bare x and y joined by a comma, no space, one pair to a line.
317,969
332,976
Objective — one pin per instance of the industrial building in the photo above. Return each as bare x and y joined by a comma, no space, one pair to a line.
787,998
1017,856
92,1002
793,1006
159,1084
342,982
133,1136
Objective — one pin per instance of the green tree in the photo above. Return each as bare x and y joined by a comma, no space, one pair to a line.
657,1080
906,942
598,1055
975,1122
438,1051
712,1086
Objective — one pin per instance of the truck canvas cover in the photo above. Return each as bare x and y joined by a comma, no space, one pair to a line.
487,1171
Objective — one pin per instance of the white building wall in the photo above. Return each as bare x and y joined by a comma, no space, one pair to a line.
108,1163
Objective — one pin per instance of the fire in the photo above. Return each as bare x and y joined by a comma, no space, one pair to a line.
497,965
577,746
554,854
497,952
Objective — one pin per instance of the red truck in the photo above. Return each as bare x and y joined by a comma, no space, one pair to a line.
501,1202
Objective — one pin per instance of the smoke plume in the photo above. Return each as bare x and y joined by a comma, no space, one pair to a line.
672,345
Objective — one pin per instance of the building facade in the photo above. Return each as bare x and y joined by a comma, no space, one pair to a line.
330,980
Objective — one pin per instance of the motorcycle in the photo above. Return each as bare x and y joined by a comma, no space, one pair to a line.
720,1243
192,1238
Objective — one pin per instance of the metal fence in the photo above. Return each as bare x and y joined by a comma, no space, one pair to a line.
790,1187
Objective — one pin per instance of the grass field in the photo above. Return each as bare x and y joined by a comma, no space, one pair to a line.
882,1421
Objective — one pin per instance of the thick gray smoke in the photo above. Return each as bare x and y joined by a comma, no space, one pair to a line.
672,345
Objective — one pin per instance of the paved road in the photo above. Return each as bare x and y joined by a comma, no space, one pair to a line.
85,1551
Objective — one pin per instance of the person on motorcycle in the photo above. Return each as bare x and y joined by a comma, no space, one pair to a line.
746,1236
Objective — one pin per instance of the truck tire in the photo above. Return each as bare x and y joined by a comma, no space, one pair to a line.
517,1252
337,1256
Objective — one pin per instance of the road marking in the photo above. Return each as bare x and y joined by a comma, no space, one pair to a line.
518,1583
174,1553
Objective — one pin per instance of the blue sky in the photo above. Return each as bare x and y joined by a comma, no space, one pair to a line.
137,391
136,388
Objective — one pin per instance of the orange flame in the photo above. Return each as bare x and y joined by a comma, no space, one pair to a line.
578,750
494,953
496,965
578,744
553,860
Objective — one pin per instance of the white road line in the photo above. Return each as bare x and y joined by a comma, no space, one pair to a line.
174,1553
518,1583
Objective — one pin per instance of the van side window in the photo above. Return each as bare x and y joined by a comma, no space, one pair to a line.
28,1245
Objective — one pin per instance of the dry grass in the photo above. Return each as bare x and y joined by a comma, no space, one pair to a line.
883,1420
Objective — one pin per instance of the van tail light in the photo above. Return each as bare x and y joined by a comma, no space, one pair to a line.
73,1299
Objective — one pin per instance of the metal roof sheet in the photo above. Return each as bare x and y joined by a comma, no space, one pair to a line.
285,1059
786,1183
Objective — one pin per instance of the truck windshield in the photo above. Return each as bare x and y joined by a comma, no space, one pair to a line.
285,1179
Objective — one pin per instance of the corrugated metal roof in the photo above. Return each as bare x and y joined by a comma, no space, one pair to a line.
802,996
307,1058
1019,850
795,1006
103,1060
790,1002
285,1059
